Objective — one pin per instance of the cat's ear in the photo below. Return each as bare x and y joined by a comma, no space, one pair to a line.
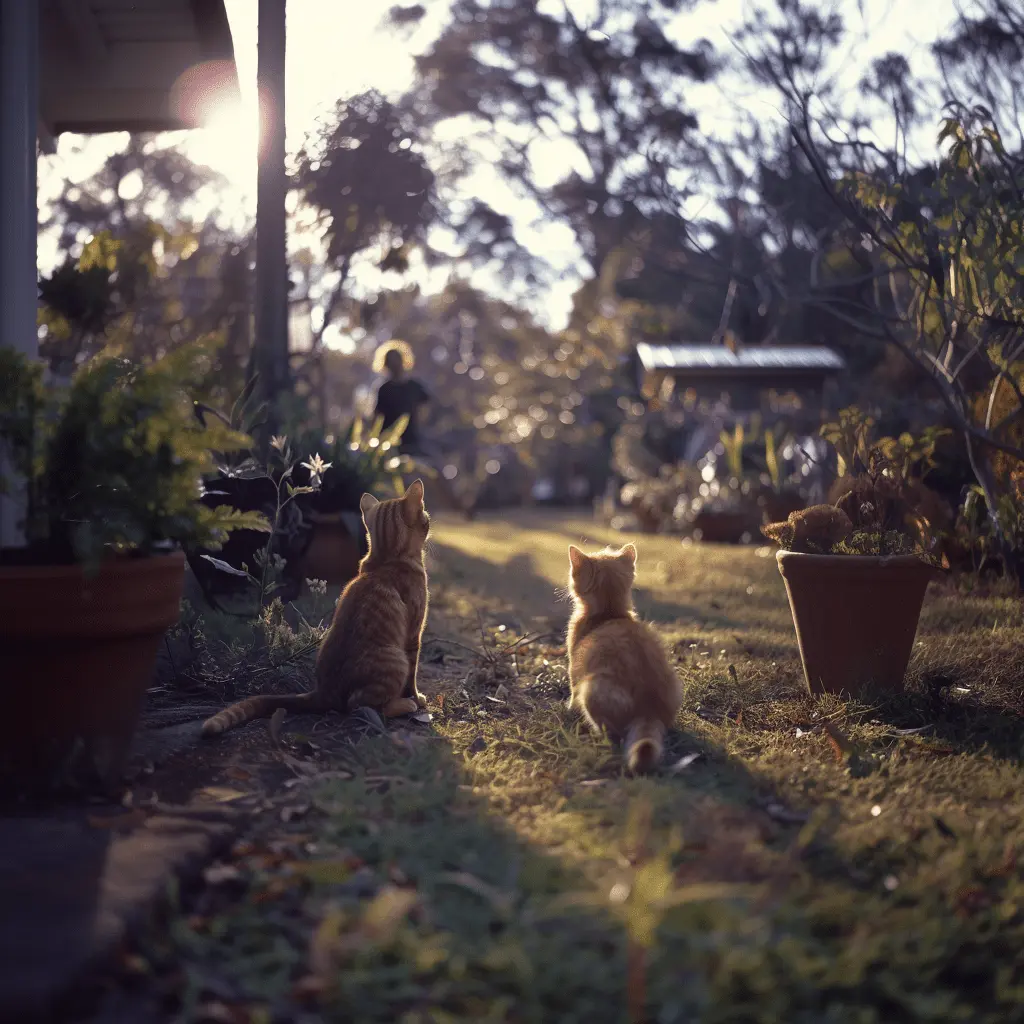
367,503
628,553
576,557
414,495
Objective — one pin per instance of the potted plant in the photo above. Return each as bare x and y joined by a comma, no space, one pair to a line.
856,572
362,461
108,470
724,510
313,504
780,494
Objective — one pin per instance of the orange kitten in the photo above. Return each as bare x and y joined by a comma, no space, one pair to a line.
371,652
618,670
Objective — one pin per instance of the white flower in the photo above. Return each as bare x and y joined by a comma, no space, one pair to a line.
317,467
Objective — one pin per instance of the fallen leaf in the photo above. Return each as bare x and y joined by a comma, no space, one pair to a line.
422,716
305,767
309,990
238,774
327,872
219,563
911,732
386,911
292,812
219,874
369,716
925,747
276,720
221,794
684,762
841,745
136,816
477,746
218,1012
782,814
325,943
501,902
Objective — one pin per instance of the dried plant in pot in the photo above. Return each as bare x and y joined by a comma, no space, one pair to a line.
108,471
856,574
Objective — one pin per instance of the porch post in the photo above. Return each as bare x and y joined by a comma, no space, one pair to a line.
19,118
272,358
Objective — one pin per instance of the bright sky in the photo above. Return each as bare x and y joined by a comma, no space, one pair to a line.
336,49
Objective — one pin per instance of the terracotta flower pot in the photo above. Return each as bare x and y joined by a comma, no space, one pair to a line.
855,616
76,656
725,527
334,550
777,507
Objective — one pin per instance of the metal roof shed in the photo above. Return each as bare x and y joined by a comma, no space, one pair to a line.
779,367
90,66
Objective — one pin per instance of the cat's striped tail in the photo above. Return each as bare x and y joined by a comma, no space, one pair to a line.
645,740
257,707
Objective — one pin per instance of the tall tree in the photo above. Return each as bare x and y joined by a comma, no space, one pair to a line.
596,91
145,264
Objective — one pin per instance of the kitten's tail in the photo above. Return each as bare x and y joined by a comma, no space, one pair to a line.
257,707
645,740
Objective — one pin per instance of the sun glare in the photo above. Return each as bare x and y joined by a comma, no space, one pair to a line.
227,142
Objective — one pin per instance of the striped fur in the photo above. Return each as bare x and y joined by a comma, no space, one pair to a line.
619,674
370,654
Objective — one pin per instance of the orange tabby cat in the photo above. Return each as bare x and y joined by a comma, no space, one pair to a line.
618,670
371,652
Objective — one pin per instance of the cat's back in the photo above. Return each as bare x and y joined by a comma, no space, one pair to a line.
379,597
618,634
629,651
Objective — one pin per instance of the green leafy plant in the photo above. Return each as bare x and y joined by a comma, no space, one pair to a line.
366,458
279,472
113,462
879,512
939,254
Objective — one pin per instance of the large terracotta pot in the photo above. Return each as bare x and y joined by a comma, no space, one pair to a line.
335,548
726,526
76,656
855,616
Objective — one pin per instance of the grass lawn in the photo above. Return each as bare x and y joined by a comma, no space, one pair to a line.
797,860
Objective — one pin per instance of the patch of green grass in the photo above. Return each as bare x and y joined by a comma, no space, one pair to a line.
819,860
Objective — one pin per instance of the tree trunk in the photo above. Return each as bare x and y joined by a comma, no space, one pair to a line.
1013,560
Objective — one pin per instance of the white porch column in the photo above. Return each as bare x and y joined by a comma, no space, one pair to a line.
19,117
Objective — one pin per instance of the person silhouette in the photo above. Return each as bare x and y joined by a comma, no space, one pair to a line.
400,395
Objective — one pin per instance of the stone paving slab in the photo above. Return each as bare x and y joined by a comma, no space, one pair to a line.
74,882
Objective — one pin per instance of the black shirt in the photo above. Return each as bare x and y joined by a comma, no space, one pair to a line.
397,398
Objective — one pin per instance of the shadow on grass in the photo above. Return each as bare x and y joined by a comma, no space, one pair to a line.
955,713
516,585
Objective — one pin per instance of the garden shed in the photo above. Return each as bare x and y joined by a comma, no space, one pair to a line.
746,374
